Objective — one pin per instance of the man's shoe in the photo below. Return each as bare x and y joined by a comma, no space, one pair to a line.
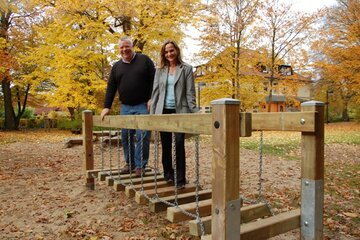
126,169
180,186
139,172
169,180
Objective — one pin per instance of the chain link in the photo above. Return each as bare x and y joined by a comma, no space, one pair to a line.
102,150
118,154
197,181
261,198
110,155
175,168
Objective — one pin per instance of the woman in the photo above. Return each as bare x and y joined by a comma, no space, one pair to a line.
173,92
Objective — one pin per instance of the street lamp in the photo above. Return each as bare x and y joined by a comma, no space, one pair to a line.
328,92
200,84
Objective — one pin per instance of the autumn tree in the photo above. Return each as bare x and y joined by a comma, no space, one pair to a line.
225,45
15,36
79,40
337,54
282,31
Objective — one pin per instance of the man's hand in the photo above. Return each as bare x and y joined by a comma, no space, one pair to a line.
104,112
149,105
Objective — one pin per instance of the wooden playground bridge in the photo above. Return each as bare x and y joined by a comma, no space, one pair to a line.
225,219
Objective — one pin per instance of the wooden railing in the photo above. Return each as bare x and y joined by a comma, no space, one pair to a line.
226,124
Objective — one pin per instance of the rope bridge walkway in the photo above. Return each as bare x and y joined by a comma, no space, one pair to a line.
217,213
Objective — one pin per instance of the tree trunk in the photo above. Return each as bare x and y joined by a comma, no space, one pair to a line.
72,112
10,119
345,114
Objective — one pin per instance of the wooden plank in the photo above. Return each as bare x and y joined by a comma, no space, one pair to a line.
115,172
132,189
284,121
120,185
201,123
94,173
247,213
175,214
269,227
162,192
272,226
69,142
245,124
225,168
88,160
159,206
115,176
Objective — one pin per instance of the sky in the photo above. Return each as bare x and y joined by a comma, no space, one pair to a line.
192,45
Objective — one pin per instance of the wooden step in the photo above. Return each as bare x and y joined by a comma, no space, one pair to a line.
121,185
110,179
248,213
132,189
162,192
159,206
268,227
175,214
115,172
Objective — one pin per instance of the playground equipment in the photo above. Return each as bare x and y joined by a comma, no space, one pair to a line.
226,125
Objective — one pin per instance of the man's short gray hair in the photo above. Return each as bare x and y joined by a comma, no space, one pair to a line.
126,39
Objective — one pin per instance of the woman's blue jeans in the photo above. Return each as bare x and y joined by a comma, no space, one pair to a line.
138,145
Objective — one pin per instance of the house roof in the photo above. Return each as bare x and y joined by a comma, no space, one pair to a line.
276,98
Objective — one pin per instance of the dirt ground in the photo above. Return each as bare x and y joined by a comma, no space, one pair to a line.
42,193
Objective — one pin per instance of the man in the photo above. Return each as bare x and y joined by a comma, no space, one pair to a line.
132,76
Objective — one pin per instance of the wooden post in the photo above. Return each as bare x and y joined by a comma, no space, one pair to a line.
88,161
225,222
312,175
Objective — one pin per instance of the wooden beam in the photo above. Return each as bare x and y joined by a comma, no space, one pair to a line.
159,206
201,123
312,175
284,121
88,160
115,176
115,172
247,213
120,185
162,192
225,169
131,190
268,227
175,214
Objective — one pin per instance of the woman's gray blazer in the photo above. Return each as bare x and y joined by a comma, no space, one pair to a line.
184,88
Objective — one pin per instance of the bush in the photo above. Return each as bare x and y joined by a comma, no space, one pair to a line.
28,114
67,124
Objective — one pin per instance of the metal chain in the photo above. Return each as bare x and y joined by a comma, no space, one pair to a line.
130,162
175,168
118,154
102,150
110,157
156,159
261,198
142,137
197,181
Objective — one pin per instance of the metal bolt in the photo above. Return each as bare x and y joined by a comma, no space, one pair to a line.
306,223
217,211
307,183
216,124
232,206
302,121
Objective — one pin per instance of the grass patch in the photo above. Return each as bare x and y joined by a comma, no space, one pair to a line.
288,144
347,133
